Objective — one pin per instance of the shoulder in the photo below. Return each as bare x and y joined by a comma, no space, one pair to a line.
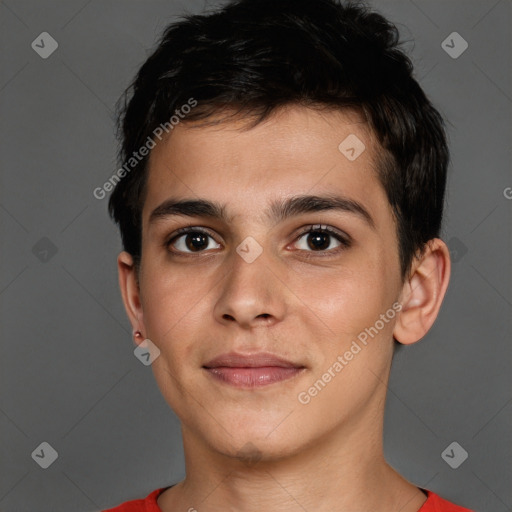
147,504
435,503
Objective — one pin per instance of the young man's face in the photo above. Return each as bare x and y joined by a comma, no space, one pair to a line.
305,298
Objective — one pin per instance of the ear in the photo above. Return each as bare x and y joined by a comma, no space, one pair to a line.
423,293
128,283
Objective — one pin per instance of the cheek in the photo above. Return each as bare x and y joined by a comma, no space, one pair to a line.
173,304
348,299
174,318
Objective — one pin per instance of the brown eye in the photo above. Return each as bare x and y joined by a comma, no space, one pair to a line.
193,240
321,239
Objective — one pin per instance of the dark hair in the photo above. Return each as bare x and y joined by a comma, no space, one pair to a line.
255,56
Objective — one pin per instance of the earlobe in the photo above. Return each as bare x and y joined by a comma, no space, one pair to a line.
423,293
130,290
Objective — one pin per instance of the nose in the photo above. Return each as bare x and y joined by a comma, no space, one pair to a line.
251,294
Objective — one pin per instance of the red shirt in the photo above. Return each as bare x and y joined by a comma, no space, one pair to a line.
433,504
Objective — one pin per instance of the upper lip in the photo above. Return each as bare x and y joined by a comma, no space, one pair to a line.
259,360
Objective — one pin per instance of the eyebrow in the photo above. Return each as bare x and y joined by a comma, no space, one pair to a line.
279,210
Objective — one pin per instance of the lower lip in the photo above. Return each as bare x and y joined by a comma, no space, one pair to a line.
253,377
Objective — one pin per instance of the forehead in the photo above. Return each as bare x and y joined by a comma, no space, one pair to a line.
296,150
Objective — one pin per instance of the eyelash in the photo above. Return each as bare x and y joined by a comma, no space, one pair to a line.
345,241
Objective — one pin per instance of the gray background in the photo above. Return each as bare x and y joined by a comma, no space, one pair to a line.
68,373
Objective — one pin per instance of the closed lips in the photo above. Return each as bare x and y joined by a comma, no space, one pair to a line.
251,371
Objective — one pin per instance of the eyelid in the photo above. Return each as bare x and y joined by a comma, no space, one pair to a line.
188,229
343,238
185,230
327,229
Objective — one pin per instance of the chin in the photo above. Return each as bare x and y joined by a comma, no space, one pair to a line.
256,443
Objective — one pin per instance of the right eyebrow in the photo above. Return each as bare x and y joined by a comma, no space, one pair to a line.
188,208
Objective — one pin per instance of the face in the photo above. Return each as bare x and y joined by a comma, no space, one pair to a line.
260,271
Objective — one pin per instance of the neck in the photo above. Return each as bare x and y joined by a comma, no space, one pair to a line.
344,470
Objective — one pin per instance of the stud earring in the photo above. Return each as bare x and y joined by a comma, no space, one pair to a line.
137,334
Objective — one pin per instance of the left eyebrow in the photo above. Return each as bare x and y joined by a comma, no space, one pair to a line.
283,209
279,210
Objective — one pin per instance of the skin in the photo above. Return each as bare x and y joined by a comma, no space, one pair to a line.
261,449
